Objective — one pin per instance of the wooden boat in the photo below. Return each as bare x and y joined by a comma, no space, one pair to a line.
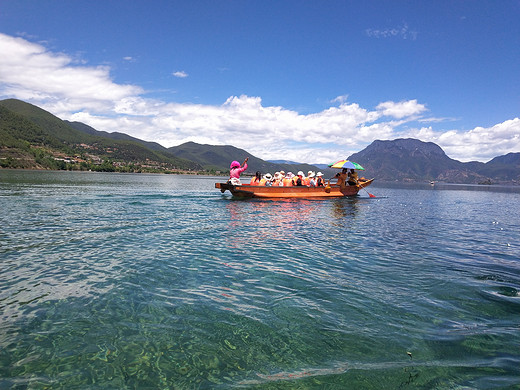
249,191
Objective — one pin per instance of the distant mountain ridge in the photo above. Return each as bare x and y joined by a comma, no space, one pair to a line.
220,156
32,138
413,160
115,135
283,162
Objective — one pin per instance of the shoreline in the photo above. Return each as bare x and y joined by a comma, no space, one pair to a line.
155,172
377,182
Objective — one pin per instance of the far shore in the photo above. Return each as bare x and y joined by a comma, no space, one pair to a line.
377,183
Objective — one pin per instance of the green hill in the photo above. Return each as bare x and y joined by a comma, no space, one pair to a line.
219,157
34,138
116,136
48,123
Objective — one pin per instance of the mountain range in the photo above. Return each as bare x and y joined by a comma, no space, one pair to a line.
32,138
413,160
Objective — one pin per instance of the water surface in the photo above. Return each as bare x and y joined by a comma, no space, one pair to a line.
160,281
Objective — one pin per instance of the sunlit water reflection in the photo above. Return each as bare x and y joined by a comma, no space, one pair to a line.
158,281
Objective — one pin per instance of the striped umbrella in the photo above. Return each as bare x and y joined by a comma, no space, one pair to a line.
346,164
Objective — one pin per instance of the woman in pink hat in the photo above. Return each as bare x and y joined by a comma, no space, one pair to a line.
235,170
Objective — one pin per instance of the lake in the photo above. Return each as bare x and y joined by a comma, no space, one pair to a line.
160,281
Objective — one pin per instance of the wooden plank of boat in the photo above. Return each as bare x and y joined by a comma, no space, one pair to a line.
249,191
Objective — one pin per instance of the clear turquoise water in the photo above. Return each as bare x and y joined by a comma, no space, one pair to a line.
160,281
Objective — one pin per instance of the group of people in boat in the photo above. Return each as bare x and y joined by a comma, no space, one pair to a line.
347,177
288,179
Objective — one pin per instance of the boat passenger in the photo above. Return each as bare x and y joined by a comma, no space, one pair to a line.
267,180
352,178
288,179
311,181
319,180
235,170
299,179
282,177
306,179
255,180
277,180
342,178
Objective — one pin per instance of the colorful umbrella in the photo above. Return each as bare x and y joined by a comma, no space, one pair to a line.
346,164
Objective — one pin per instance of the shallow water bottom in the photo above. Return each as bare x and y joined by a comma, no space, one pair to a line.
132,281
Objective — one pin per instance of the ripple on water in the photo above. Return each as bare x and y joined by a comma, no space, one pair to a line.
123,281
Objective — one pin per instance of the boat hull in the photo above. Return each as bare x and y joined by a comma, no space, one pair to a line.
249,191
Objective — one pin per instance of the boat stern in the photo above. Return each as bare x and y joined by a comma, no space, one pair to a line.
235,190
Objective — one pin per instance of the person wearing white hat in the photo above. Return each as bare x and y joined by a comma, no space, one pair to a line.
267,179
287,181
319,180
276,179
299,181
282,176
310,181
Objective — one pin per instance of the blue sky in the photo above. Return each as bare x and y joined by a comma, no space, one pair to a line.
309,81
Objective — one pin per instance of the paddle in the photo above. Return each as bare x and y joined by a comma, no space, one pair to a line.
369,194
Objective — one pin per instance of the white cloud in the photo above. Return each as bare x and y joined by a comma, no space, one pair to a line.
55,82
340,99
401,109
180,73
478,144
28,71
402,32
436,120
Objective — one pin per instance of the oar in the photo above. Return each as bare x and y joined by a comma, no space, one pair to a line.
369,194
